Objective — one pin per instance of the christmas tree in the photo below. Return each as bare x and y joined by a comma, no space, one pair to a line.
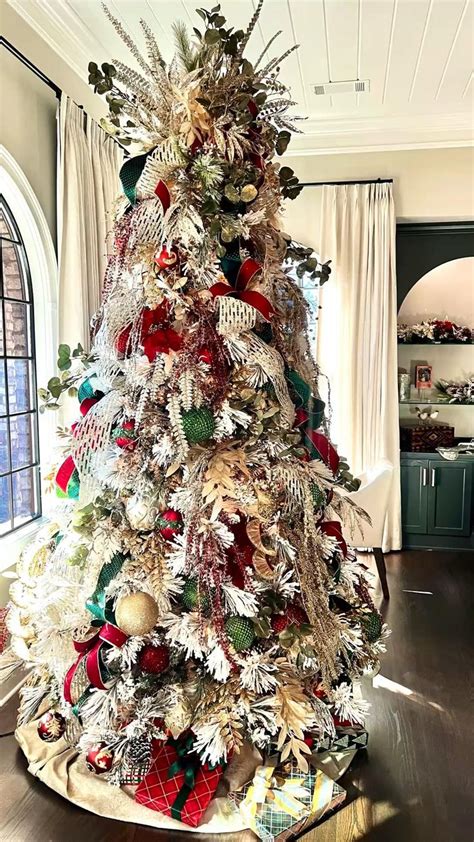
196,585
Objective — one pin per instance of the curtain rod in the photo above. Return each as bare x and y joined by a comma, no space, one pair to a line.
29,64
335,183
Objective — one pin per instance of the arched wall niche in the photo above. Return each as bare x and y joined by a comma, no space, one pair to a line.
447,291
424,246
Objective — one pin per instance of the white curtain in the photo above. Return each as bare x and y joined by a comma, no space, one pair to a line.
89,164
357,336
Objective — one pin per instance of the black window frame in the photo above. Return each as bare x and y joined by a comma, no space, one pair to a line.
30,358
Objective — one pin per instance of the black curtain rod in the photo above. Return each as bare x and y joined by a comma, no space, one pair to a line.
29,64
335,183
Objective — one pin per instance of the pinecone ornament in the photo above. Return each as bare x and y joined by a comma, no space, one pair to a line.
240,632
198,424
372,625
136,760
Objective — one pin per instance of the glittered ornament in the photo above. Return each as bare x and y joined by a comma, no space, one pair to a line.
141,510
198,424
240,632
154,659
125,436
51,726
166,259
169,524
194,598
99,759
372,625
136,613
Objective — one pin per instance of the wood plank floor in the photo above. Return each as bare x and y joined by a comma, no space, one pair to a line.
415,782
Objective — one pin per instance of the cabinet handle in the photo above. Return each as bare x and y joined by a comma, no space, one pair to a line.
433,477
424,476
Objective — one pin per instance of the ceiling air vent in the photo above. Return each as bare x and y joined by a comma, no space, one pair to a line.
348,87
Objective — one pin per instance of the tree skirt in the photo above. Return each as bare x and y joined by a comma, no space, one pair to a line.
62,769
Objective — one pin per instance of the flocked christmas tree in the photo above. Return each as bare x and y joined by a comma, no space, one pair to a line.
197,583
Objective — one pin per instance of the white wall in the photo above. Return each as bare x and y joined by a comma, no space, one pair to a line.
429,185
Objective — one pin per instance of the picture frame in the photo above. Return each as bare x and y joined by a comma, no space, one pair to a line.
423,376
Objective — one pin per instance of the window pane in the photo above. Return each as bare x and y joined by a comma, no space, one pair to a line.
4,457
4,229
20,394
3,388
2,347
13,276
5,505
25,505
22,441
17,329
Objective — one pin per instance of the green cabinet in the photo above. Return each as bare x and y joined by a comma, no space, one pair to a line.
414,497
437,501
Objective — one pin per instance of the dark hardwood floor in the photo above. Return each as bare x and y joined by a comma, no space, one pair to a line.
415,782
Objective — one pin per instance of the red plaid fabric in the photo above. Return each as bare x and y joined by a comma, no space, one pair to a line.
158,792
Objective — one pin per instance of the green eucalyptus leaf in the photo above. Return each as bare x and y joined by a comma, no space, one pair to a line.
212,37
285,174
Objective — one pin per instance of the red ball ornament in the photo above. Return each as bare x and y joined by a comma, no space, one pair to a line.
154,659
205,356
99,759
51,726
297,615
279,622
294,615
167,259
170,523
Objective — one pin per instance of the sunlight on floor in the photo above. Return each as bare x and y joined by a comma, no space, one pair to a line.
383,683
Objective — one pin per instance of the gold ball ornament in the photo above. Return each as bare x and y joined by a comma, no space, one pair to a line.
137,613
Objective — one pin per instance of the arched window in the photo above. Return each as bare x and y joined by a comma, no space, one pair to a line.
20,498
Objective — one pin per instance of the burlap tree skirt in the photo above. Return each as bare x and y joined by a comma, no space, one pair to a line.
63,770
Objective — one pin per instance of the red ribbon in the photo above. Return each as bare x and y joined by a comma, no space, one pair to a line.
324,447
64,474
163,194
90,650
246,273
334,529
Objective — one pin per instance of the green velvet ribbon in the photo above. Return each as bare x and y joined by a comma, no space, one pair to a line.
188,762
310,411
96,603
130,173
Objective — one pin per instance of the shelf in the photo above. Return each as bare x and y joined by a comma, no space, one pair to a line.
418,344
414,401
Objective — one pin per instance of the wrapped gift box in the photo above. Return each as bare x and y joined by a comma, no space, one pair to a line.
282,801
177,784
425,438
347,737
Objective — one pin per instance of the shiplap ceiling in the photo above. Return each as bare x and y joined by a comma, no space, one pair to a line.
417,54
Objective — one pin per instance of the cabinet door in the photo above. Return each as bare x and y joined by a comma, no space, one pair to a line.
449,506
414,476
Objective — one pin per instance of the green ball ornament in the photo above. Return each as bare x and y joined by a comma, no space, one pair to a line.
198,424
372,625
240,632
194,599
319,497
